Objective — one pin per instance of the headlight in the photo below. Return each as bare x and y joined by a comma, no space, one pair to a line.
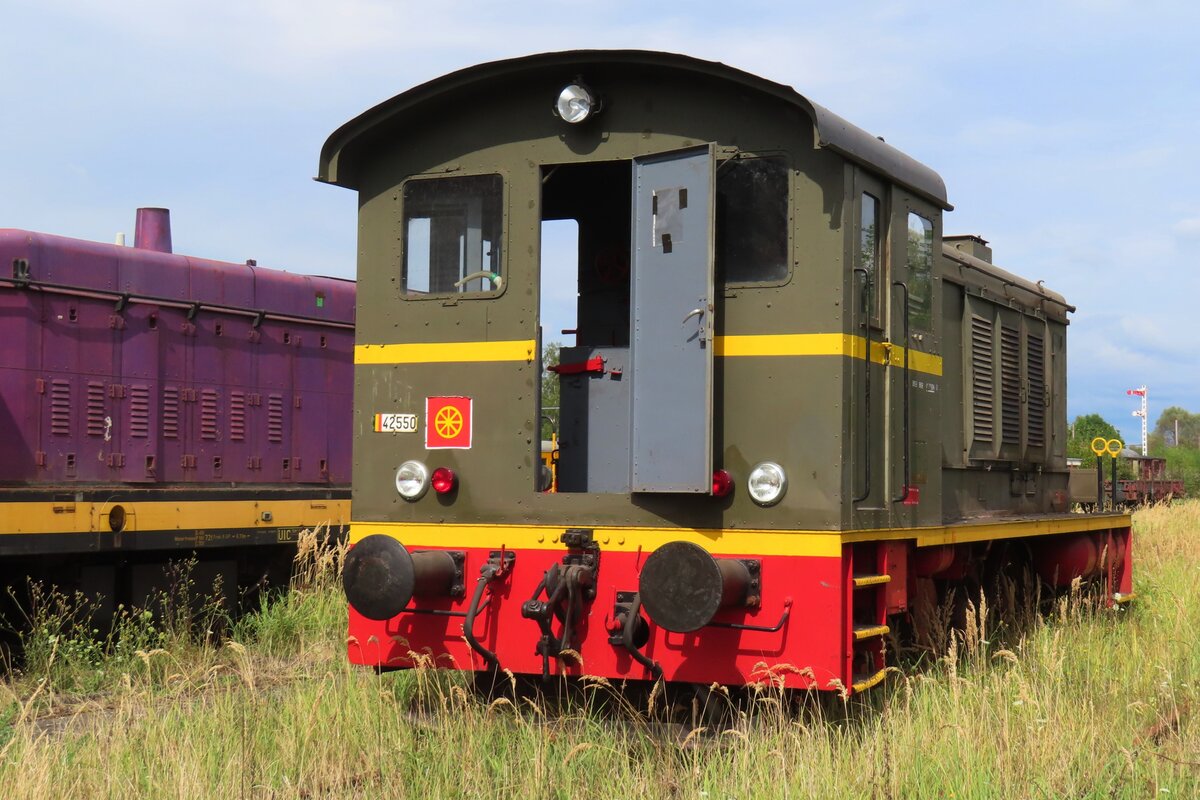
767,483
412,480
575,103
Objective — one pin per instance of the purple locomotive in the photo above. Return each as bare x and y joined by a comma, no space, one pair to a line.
155,405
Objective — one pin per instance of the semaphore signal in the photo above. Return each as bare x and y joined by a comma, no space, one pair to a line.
1141,392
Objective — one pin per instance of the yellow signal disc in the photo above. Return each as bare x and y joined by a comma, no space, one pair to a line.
1098,445
1114,447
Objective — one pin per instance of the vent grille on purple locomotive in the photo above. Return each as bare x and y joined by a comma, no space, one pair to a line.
275,418
208,414
60,407
95,408
139,412
237,416
170,412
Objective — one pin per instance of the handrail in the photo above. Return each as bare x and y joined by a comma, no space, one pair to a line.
121,299
990,271
907,388
867,387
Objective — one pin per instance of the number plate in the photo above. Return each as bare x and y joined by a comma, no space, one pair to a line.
395,423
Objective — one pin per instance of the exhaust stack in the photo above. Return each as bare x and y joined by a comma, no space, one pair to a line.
970,244
153,229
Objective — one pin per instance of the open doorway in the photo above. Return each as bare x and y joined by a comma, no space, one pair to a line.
584,310
635,386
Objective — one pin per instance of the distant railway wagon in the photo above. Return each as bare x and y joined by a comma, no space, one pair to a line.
1149,484
154,406
793,413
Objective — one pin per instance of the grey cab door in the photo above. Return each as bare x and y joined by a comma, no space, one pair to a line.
671,327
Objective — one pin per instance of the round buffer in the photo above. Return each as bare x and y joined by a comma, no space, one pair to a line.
683,587
378,577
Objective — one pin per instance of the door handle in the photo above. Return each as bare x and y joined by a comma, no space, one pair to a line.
698,313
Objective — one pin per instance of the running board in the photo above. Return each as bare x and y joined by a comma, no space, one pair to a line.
868,631
870,580
864,682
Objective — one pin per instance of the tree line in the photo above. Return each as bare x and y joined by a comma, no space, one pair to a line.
1175,437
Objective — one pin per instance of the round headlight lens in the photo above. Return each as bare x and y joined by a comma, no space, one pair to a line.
575,103
412,480
767,483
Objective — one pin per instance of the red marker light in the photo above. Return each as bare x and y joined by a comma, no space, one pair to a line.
443,480
722,483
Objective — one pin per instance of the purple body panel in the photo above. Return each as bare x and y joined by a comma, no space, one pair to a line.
159,393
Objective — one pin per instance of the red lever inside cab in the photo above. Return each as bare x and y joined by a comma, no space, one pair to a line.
595,364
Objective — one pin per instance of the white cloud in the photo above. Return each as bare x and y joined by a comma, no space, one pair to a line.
1155,337
1189,227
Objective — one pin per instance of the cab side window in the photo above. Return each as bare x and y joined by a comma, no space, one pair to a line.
752,217
920,272
870,249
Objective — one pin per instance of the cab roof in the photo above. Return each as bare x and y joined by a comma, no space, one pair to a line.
346,148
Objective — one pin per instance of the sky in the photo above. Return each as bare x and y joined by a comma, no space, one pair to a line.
1067,131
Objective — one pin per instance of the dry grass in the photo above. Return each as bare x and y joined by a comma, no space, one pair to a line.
1087,703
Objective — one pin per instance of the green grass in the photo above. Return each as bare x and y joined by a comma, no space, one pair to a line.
1089,702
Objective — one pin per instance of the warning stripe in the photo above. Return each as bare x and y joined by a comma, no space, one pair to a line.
445,352
66,516
824,344
762,542
785,344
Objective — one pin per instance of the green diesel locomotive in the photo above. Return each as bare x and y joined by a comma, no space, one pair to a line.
793,412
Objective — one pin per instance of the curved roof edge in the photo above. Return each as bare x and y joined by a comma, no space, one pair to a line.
342,149
1036,290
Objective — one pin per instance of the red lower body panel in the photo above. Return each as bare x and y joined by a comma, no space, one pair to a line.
811,621
808,647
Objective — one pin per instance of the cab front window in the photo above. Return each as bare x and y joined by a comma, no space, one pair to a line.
451,232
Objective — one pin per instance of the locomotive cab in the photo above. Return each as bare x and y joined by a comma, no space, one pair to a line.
736,252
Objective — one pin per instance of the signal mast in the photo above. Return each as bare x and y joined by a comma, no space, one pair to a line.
1140,412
